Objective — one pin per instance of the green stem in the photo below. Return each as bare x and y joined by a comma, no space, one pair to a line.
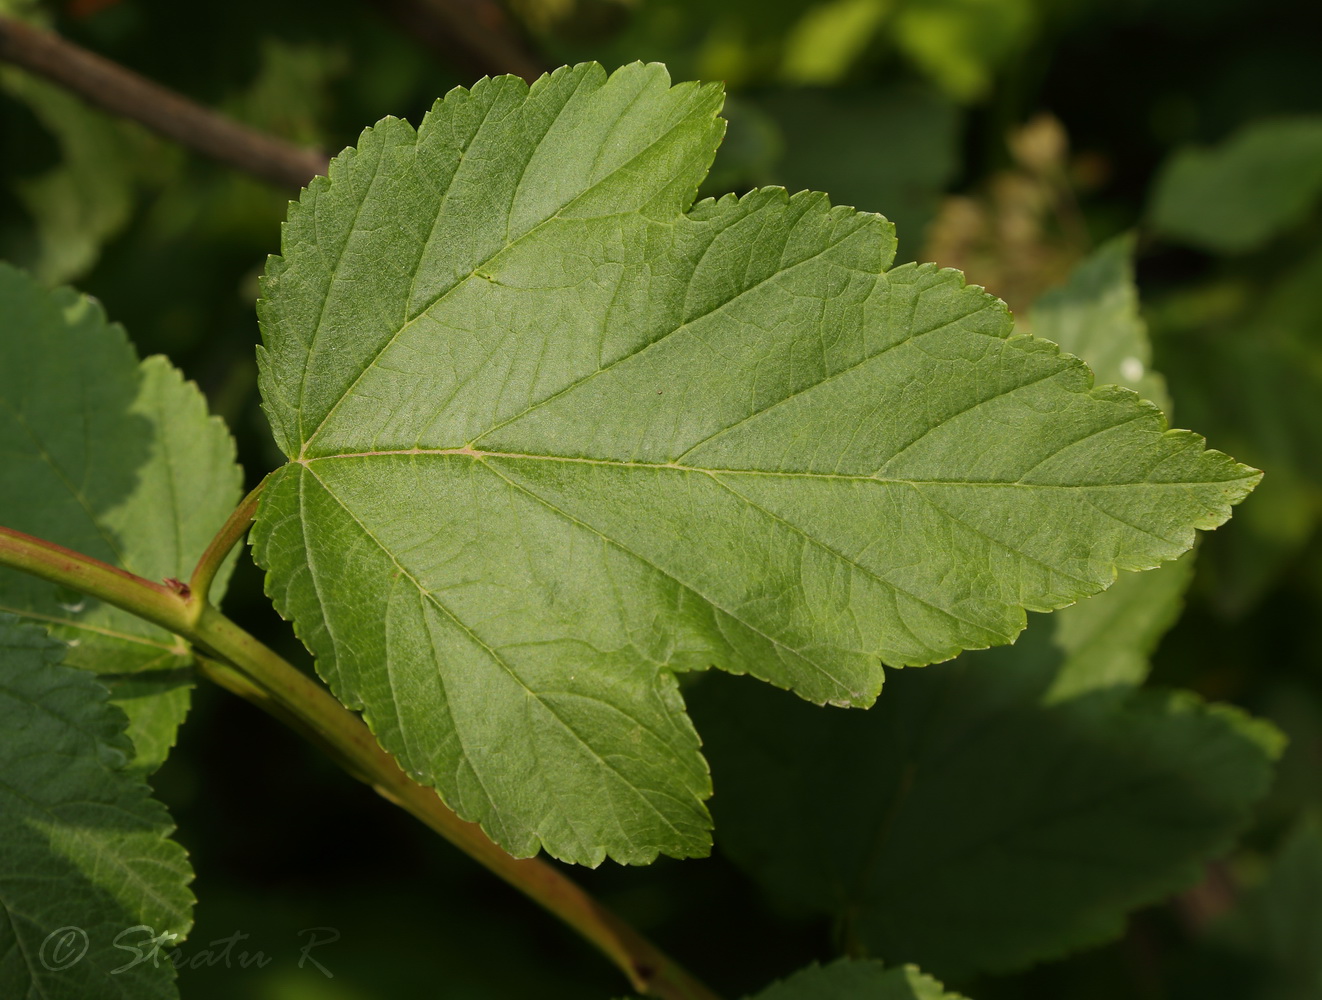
237,661
156,602
229,535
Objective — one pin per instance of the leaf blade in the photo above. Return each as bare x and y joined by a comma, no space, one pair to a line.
588,439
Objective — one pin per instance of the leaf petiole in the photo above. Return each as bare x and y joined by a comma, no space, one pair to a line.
229,535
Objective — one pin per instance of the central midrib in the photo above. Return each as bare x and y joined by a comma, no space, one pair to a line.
479,455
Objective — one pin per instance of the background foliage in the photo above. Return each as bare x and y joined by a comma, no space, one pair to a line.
1011,138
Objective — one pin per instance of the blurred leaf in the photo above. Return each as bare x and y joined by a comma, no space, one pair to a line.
961,43
1236,196
1095,315
846,980
1108,638
117,460
290,95
1294,706
968,822
830,37
958,45
1248,368
81,203
88,865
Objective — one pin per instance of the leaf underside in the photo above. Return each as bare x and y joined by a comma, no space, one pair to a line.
117,459
87,853
553,439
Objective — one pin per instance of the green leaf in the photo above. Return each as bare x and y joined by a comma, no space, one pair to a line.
973,821
1235,197
846,980
88,860
552,439
116,459
1096,316
291,92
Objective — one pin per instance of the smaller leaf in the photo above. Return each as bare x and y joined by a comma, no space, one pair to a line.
89,872
1095,315
846,980
960,44
965,825
1250,374
1237,196
116,459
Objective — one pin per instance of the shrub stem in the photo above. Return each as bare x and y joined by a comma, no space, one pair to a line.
120,91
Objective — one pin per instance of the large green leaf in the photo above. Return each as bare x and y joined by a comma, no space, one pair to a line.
89,876
553,439
116,459
845,980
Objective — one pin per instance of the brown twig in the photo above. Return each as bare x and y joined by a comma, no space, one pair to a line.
123,92
475,33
